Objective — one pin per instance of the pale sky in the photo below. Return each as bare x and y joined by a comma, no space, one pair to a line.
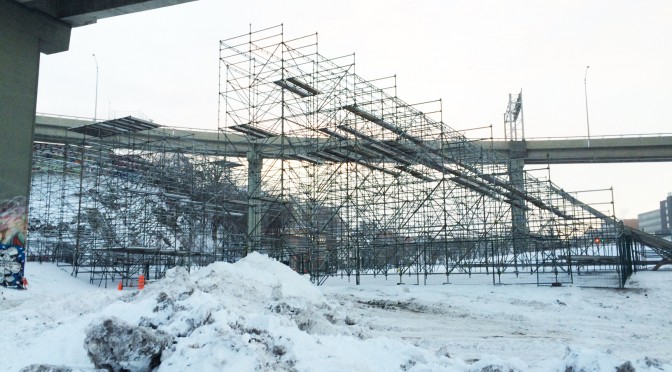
163,65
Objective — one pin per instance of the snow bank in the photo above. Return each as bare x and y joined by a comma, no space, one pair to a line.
258,314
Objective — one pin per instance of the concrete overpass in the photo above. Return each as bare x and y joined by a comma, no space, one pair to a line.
551,151
82,13
626,149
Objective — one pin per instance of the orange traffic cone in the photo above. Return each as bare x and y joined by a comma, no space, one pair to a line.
25,283
141,282
120,286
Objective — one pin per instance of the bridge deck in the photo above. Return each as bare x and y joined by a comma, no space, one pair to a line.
567,151
597,150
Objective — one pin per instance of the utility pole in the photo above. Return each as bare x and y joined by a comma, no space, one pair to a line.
95,110
585,89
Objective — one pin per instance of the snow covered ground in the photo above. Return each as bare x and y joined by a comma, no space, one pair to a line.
258,314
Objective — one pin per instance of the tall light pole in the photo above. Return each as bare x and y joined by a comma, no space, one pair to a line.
95,110
585,89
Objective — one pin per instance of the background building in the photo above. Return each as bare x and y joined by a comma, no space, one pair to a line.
658,221
666,214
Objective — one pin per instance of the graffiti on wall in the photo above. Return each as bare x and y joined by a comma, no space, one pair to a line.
13,227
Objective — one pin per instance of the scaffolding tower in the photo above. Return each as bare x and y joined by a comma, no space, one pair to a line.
347,179
327,172
127,197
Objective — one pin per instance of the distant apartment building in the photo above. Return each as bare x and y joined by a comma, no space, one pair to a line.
666,214
649,221
658,221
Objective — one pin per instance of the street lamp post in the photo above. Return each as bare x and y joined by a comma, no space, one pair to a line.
95,110
585,89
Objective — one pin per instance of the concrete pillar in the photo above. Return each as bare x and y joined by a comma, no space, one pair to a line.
517,180
24,33
519,227
254,164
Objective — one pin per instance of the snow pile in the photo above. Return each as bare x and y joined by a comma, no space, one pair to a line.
258,314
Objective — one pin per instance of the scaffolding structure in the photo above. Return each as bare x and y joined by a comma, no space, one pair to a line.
328,172
353,181
128,197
